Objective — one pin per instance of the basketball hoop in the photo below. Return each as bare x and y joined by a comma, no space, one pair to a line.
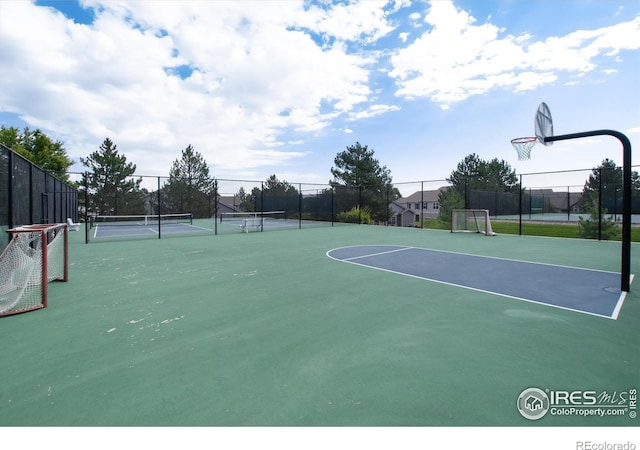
523,146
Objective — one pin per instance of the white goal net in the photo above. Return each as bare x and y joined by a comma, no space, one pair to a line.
36,255
471,221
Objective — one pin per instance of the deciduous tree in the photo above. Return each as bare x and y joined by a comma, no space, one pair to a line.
38,148
476,174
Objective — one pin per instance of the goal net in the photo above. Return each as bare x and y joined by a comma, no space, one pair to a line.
36,255
471,221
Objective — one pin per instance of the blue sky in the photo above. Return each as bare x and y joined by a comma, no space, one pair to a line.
280,87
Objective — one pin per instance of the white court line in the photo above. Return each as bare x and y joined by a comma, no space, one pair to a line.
623,296
375,254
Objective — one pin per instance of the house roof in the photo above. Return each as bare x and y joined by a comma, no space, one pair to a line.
419,196
230,201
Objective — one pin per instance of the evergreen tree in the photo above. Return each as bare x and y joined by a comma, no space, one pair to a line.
190,188
278,195
112,189
247,201
357,168
592,227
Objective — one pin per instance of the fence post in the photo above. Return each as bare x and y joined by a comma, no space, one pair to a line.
333,204
86,207
520,208
600,204
422,204
215,209
359,204
159,212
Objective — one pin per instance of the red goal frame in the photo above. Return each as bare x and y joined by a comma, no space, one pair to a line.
45,230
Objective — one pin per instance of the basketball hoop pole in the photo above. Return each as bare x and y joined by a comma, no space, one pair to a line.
626,195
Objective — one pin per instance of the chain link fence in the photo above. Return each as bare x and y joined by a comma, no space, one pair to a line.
168,207
31,195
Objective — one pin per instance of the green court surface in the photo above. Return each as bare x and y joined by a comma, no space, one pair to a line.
264,329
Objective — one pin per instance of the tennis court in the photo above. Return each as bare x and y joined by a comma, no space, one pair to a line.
134,226
263,329
109,228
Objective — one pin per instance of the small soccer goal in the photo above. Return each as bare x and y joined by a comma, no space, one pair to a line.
471,221
35,256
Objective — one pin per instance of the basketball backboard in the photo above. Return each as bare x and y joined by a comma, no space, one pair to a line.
544,123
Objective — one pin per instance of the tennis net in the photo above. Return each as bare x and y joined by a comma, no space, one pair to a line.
141,219
238,216
253,220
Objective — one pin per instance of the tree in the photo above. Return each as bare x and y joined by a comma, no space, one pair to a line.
278,187
277,195
594,228
481,177
190,187
357,168
247,201
11,138
606,179
38,148
449,199
355,215
601,196
113,191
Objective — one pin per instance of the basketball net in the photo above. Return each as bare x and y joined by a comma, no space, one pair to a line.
523,146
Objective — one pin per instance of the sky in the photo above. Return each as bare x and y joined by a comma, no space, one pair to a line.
263,88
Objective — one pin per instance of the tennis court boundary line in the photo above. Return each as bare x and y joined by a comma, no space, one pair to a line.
398,248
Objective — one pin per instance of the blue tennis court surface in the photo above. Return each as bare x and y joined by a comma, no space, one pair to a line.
587,291
142,229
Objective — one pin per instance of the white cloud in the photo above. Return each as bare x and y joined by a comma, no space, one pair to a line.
351,21
250,62
457,58
260,84
372,111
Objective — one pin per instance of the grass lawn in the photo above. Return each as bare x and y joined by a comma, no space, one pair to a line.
570,230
